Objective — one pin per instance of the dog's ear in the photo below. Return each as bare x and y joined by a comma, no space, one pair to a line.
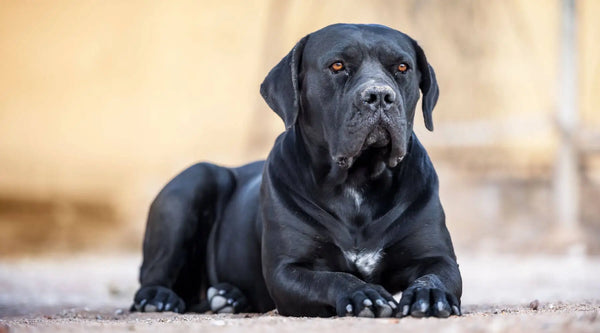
428,85
280,88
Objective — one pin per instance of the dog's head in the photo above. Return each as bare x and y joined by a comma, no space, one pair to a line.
353,89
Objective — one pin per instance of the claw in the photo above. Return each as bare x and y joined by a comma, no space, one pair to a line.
456,310
405,310
211,292
217,303
349,308
442,312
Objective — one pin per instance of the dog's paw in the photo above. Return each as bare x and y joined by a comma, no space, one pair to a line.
226,298
157,299
423,299
367,301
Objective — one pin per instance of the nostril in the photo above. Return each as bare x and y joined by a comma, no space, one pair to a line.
371,98
389,99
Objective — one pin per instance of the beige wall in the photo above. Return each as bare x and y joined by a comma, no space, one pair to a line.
101,102
589,37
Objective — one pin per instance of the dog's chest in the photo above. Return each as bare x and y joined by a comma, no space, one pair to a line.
361,249
365,261
355,196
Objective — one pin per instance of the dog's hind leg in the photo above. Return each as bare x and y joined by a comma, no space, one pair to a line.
174,275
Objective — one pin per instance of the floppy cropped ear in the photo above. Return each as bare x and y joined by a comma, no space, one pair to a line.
428,85
280,88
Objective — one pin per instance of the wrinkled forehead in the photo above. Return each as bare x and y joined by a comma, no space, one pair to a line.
356,40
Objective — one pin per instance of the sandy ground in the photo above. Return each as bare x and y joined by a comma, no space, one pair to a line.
93,293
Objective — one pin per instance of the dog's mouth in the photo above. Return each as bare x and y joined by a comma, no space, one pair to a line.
379,137
376,152
372,159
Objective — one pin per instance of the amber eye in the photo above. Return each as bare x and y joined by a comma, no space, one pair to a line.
337,66
402,68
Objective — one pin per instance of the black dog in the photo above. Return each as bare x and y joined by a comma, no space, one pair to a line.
343,213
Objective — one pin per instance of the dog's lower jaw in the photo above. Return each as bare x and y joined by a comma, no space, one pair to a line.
378,169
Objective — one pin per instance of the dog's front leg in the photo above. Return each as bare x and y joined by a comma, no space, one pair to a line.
299,291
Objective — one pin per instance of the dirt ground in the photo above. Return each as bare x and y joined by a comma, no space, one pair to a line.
93,293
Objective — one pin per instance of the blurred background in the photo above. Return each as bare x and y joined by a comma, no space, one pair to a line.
102,102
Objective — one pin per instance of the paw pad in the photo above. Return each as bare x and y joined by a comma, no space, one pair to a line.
226,298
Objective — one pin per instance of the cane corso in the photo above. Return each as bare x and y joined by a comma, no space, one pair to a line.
344,212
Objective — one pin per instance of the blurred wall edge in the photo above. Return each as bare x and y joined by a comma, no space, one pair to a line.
102,102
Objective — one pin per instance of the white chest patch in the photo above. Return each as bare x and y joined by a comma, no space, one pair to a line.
354,194
365,261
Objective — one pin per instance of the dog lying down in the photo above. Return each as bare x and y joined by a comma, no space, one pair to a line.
343,213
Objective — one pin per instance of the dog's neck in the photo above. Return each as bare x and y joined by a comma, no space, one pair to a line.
307,173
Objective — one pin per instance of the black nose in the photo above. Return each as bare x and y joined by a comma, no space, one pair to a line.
378,97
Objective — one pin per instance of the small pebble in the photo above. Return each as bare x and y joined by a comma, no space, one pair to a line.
534,305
